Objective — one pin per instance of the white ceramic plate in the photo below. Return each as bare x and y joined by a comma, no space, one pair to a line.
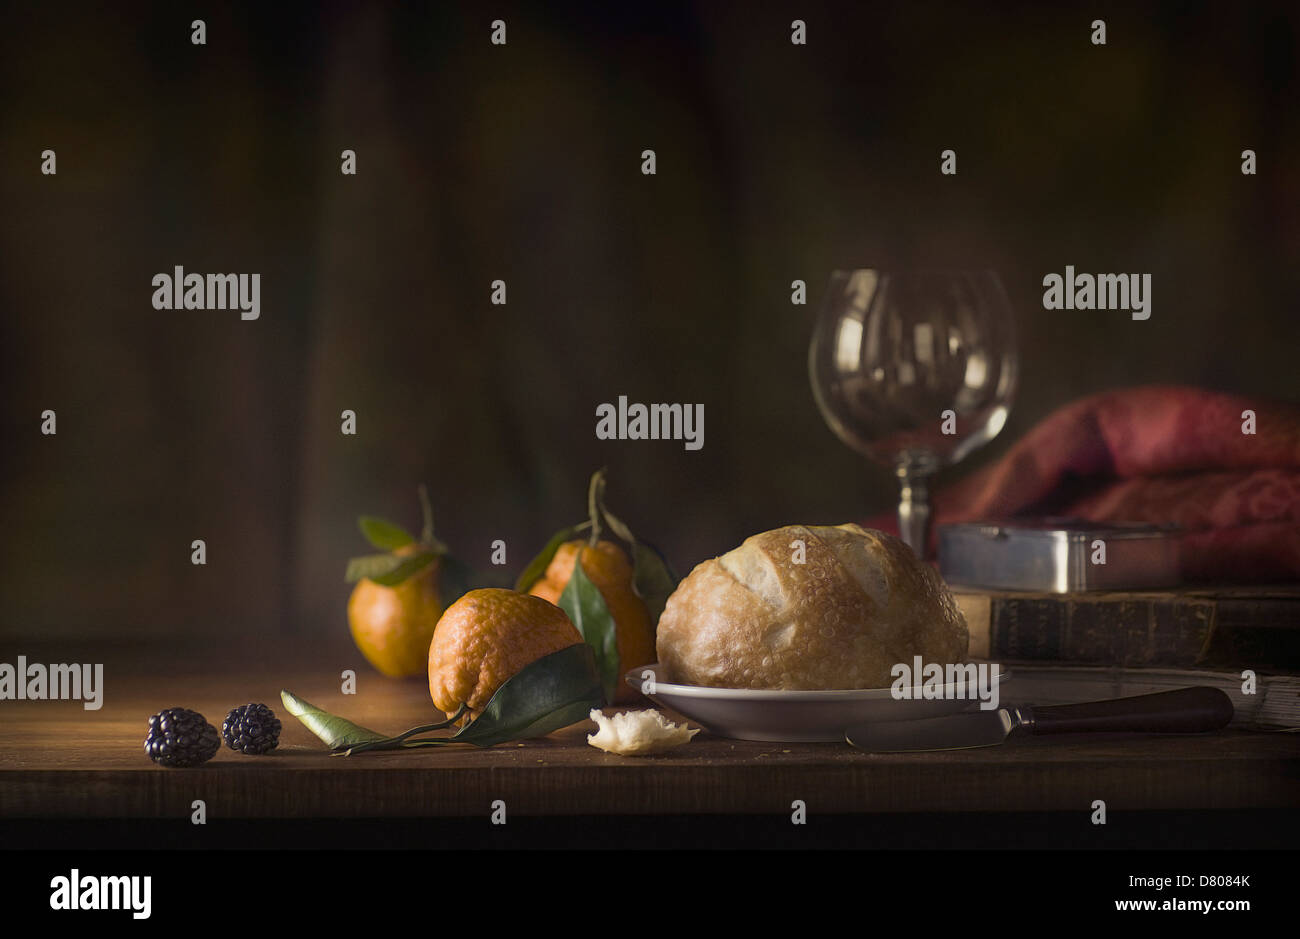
789,716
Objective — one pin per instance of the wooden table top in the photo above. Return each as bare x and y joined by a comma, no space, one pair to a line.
59,760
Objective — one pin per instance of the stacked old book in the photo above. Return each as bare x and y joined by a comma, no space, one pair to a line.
1062,648
1221,469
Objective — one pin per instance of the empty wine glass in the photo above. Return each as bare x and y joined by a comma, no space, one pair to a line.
915,370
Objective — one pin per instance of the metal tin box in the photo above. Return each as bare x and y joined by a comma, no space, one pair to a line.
1059,555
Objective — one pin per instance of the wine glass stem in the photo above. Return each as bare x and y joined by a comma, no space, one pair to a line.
914,509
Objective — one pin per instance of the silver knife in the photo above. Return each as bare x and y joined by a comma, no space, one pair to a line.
1185,711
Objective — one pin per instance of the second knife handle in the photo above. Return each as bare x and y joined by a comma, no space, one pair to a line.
1185,711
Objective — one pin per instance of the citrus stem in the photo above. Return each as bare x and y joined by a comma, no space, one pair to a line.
391,743
595,496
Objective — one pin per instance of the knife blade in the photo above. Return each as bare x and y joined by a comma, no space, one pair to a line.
1186,710
957,732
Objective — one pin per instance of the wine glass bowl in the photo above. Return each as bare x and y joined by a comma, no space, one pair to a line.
915,370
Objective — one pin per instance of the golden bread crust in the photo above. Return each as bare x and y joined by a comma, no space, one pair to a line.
859,604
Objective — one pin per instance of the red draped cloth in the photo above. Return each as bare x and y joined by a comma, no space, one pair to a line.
1159,455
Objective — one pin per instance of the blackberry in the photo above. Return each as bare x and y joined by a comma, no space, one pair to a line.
179,737
252,729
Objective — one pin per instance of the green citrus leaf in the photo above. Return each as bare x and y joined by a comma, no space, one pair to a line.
383,534
389,570
371,566
409,567
537,566
335,731
564,715
553,692
398,742
585,605
652,578
617,526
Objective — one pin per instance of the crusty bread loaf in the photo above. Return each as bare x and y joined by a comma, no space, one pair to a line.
859,603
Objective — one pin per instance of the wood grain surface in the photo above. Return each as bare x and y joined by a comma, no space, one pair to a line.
59,760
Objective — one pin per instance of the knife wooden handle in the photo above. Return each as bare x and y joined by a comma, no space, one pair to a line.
1185,711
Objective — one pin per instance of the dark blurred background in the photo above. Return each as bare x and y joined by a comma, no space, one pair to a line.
522,163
